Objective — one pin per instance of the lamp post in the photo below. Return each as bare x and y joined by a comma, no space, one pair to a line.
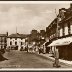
57,26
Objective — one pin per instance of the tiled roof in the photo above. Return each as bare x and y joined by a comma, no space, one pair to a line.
17,35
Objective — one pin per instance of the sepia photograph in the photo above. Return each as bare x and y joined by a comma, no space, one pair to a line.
36,35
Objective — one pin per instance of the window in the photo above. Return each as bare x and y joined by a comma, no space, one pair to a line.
5,40
10,38
1,39
21,43
1,46
21,38
15,43
10,43
68,27
63,30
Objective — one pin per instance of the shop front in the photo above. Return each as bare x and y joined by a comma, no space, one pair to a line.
64,47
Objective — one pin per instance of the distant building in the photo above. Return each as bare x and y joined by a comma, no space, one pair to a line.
42,33
16,41
34,36
3,41
51,30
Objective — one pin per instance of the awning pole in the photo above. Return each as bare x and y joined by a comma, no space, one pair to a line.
50,50
56,56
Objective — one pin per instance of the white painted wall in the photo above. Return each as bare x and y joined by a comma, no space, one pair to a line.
71,27
66,29
8,42
61,32
13,42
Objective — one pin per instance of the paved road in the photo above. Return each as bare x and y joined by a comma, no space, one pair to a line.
21,59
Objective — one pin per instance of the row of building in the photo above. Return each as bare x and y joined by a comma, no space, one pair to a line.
57,35
14,41
19,41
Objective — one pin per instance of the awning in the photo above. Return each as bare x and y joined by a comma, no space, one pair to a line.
60,42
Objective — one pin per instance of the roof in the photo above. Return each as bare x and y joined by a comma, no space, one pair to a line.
68,15
3,35
17,35
65,19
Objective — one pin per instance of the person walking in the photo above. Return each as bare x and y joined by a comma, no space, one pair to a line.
56,56
27,48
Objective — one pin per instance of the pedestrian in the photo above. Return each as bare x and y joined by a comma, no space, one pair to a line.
27,48
56,56
39,50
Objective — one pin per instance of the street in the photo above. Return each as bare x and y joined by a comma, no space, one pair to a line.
21,59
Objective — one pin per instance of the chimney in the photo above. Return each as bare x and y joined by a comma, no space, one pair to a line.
7,33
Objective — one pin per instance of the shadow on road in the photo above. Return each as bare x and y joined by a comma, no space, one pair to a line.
2,58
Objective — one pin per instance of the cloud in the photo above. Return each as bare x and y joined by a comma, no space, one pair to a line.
26,17
47,11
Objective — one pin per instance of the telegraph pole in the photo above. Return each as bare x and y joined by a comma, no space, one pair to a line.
56,52
57,24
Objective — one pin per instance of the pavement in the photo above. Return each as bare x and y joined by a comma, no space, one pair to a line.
63,62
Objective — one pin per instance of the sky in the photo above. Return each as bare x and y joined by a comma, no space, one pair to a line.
27,16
